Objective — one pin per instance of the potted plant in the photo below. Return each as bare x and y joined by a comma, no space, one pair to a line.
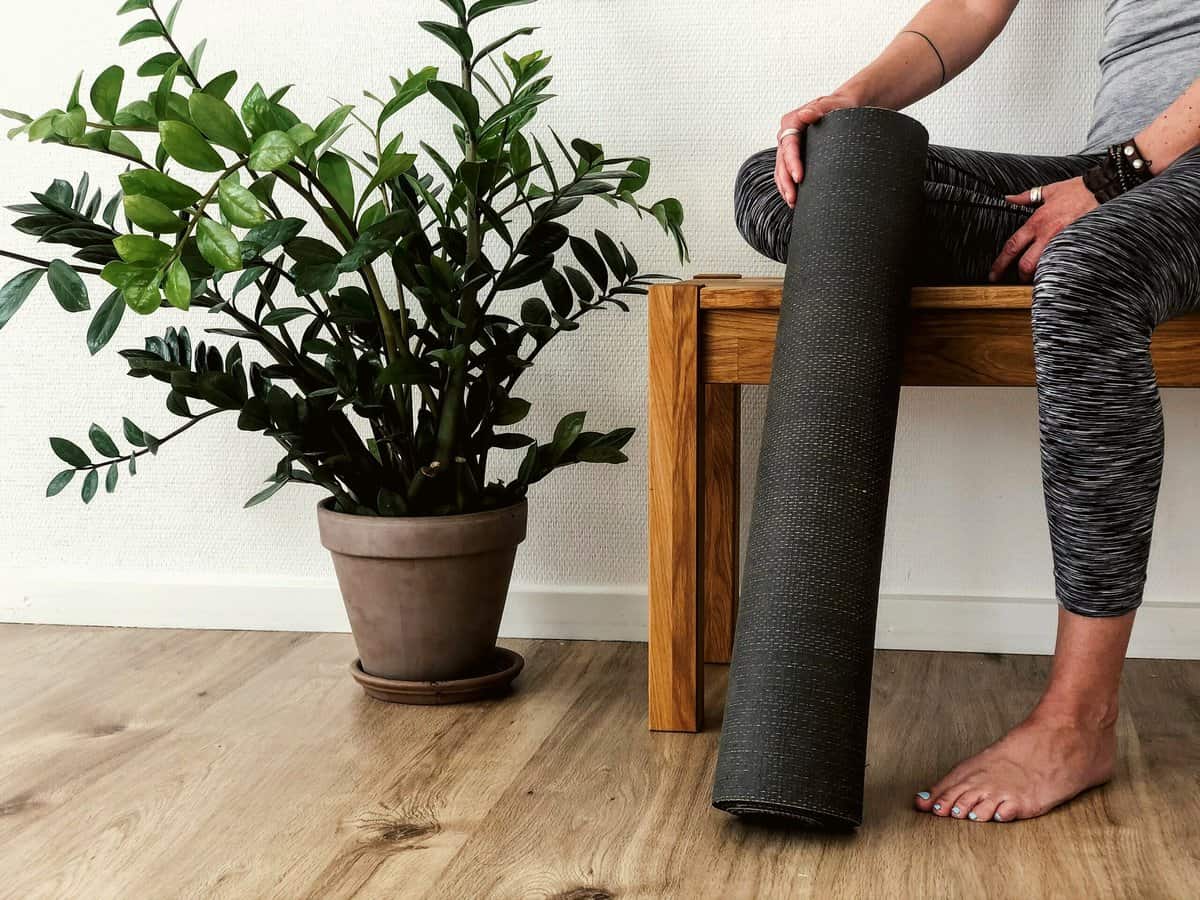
386,328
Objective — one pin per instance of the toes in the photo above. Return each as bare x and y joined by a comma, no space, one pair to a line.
944,801
964,806
1006,811
984,809
923,801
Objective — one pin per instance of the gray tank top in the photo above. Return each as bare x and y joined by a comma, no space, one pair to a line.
1149,55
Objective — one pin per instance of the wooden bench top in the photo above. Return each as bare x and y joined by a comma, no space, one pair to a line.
728,292
972,335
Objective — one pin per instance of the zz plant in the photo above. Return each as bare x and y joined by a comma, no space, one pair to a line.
392,399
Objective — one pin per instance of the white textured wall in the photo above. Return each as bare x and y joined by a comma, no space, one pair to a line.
694,84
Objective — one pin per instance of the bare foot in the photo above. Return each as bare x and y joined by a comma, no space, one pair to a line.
1040,764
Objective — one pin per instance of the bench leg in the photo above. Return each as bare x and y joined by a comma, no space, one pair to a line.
676,678
719,550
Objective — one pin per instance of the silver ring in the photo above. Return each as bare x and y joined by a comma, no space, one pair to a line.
1035,196
787,132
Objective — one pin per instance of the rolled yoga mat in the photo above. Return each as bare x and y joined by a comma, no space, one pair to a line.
794,739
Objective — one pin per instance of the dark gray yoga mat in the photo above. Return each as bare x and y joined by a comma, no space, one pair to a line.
794,739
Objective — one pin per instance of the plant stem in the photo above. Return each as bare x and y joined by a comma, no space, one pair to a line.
185,69
86,270
451,413
178,431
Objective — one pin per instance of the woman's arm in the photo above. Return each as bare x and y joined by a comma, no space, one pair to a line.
1173,133
955,33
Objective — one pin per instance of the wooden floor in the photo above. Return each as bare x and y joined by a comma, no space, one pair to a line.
146,764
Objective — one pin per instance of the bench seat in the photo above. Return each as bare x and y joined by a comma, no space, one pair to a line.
711,334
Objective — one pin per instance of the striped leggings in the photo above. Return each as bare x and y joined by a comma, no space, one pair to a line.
1101,287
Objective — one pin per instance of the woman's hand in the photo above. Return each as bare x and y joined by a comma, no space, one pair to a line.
789,168
1063,203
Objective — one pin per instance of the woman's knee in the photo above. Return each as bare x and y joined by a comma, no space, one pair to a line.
762,216
1078,291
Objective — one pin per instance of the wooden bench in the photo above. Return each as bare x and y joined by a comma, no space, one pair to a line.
712,334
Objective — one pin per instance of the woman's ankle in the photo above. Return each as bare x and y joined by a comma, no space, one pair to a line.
1093,713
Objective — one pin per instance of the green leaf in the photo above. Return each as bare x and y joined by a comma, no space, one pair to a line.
311,250
90,485
413,87
104,323
272,234
69,289
612,255
133,433
163,188
459,101
591,261
131,5
238,204
106,92
483,7
272,151
534,312
141,293
141,31
221,85
188,147
139,249
179,286
218,245
566,432
602,455
102,442
195,56
641,170
170,20
265,494
158,64
329,126
219,123
16,291
70,453
334,172
70,125
456,38
511,411
287,314
301,134
152,215
110,480
392,166
59,481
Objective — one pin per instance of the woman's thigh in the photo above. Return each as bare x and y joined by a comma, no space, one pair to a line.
966,218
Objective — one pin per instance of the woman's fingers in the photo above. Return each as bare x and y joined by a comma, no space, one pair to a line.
1013,248
789,144
783,181
1028,264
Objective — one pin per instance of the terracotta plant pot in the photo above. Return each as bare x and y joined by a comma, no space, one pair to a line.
424,594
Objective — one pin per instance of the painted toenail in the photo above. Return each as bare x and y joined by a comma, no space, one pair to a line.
955,811
924,795
938,807
997,817
972,816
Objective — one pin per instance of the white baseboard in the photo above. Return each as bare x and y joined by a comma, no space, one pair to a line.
906,621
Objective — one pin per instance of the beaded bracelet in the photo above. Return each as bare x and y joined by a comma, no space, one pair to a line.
1122,169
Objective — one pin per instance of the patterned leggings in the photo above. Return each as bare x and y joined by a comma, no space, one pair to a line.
1102,286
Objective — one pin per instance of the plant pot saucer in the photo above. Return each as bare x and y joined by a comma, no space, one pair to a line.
498,676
